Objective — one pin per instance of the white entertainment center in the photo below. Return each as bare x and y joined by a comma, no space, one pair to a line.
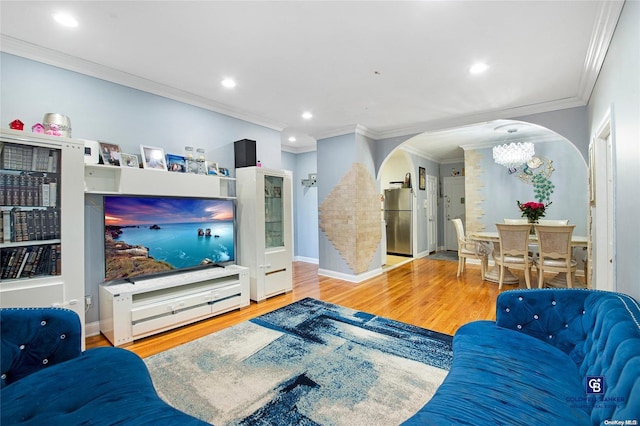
145,306
148,306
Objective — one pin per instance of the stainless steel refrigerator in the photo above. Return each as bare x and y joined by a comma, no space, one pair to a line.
397,214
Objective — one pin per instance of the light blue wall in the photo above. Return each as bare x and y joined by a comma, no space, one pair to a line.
305,201
568,201
618,89
100,110
336,155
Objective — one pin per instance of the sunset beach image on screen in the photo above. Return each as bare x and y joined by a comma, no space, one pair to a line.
151,235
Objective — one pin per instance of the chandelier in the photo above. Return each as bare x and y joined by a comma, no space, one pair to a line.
513,154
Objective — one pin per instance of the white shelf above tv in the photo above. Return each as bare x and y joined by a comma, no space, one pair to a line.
103,179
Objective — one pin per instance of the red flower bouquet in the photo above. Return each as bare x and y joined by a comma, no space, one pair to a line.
532,210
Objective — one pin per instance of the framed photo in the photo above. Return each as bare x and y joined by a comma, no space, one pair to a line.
176,163
196,167
129,160
422,178
153,158
110,153
212,168
223,171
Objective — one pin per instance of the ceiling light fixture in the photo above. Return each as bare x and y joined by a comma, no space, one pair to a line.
478,68
513,154
292,139
65,19
229,83
307,115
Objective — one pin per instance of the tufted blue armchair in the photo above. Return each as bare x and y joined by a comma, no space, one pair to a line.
47,379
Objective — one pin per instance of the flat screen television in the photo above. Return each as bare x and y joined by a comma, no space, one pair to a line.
155,235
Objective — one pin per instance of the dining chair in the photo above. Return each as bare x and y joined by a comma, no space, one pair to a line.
555,252
468,249
553,222
516,221
514,250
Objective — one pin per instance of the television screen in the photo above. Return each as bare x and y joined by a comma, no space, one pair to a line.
151,235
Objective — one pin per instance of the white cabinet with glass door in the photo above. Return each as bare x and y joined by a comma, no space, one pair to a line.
264,229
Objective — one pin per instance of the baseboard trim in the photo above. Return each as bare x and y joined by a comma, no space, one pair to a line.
313,260
350,278
92,328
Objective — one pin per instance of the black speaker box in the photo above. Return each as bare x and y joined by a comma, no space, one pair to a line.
245,153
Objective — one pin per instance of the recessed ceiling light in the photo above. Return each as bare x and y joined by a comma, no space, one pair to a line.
478,68
228,83
292,139
65,19
307,115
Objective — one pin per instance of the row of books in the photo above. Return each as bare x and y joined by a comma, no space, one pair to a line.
30,224
26,189
23,262
32,158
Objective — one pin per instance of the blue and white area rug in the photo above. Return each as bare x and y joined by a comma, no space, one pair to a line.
309,363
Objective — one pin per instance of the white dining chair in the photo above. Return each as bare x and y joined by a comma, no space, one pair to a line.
516,221
555,252
514,250
468,249
553,222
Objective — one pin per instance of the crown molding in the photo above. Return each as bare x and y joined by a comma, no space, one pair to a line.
420,153
603,29
298,149
346,130
62,60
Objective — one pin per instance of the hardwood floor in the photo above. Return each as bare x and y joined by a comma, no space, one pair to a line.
424,292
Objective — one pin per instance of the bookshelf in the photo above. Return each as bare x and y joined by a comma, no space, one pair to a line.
42,221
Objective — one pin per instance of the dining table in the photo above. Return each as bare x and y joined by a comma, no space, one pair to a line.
488,240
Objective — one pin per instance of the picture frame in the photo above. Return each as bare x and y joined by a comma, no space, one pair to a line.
422,178
196,167
110,153
176,163
222,171
212,168
129,160
153,158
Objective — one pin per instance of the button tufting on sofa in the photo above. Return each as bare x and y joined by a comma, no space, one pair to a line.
590,333
54,382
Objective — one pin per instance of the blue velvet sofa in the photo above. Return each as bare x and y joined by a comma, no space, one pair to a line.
47,380
552,357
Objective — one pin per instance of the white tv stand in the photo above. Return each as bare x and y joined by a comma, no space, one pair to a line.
148,306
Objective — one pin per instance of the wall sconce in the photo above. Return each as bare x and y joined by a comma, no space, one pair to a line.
311,181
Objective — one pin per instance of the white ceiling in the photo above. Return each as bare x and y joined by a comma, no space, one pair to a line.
388,67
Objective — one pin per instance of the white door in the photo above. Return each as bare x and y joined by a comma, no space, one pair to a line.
432,213
602,233
453,194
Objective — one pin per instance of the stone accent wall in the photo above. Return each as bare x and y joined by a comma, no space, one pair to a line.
350,218
473,191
